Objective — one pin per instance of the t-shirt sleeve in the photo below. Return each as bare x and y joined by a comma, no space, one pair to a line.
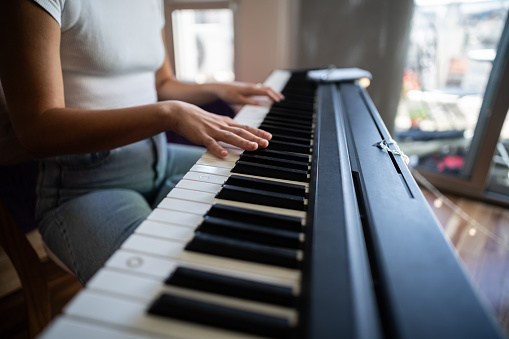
53,7
161,11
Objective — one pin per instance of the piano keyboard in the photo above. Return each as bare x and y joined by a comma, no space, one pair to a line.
321,235
221,256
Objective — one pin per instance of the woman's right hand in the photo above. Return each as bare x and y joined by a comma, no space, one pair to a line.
207,129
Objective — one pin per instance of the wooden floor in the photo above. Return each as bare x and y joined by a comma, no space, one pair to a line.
484,257
483,249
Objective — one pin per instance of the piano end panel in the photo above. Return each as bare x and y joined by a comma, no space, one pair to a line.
423,287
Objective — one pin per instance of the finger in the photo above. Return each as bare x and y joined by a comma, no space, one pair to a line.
269,92
248,101
276,95
243,133
256,131
215,148
236,140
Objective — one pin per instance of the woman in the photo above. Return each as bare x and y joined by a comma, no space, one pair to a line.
90,91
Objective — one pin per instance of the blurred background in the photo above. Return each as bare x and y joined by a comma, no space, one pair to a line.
431,62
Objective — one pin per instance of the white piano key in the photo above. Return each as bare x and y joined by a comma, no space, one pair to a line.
273,179
210,170
264,208
128,314
140,263
199,186
66,327
193,195
277,79
249,121
252,117
146,290
253,111
216,174
168,249
160,268
175,217
205,177
190,201
167,231
142,288
216,163
174,250
184,205
230,157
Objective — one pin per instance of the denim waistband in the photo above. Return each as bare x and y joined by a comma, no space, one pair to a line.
138,166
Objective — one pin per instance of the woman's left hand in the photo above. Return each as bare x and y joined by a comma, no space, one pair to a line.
243,93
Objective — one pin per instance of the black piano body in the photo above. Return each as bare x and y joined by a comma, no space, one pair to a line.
403,277
376,262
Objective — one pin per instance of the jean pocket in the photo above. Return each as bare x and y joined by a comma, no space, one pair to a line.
82,161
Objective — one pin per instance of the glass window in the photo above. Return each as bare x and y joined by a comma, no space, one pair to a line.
498,181
452,48
203,43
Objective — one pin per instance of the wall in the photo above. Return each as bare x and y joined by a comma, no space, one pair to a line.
262,43
369,34
270,34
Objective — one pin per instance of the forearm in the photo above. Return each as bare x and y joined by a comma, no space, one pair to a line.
66,130
197,94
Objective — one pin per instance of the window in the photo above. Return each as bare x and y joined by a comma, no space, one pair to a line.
452,105
203,42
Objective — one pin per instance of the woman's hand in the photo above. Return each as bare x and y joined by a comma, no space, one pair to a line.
242,93
207,129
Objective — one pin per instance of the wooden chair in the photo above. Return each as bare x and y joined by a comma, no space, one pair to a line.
17,218
30,270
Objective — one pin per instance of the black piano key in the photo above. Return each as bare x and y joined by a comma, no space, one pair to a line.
300,96
288,121
260,197
273,121
304,114
301,118
270,171
289,146
244,250
173,306
283,222
286,138
266,185
294,105
280,154
260,159
292,132
230,286
252,232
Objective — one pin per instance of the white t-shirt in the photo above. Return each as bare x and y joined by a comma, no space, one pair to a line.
110,50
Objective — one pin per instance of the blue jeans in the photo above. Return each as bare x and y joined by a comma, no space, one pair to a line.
89,204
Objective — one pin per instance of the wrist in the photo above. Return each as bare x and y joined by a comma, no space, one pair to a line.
210,90
170,112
